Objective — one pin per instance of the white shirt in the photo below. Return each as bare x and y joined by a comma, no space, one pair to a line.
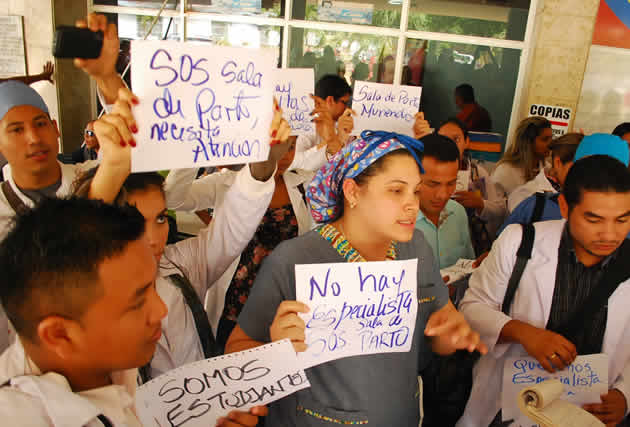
68,174
203,259
41,400
481,306
184,192
309,155
494,208
539,184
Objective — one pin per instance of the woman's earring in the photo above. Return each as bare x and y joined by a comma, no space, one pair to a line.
352,205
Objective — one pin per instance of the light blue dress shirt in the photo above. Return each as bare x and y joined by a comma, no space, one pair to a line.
451,241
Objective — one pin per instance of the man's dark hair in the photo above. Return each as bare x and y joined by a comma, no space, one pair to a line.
597,173
455,121
622,129
466,93
332,85
50,258
439,147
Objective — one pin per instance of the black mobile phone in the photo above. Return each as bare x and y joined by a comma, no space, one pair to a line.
73,42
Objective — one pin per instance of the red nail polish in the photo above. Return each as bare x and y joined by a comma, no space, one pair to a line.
134,129
122,144
277,108
132,142
274,133
135,101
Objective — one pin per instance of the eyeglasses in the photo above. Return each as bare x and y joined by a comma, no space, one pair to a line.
89,132
346,103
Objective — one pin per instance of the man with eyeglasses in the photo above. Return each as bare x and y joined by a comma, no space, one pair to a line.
333,124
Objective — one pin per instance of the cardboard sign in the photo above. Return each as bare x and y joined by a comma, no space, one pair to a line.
583,381
200,105
558,116
198,394
292,89
385,107
357,308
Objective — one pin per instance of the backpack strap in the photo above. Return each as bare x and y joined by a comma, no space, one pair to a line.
208,343
104,420
523,255
14,200
539,207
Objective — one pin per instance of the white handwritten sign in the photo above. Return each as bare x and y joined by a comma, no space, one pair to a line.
385,107
292,89
357,308
584,380
200,105
199,393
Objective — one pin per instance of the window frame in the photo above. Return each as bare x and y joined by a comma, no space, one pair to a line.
402,34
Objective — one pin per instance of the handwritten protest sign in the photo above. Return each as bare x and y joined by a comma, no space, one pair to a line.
292,89
385,107
200,105
199,393
583,381
357,308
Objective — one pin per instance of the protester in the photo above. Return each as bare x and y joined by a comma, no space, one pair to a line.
29,140
194,263
474,116
549,181
525,156
287,216
443,221
564,153
332,100
368,197
484,206
78,283
572,297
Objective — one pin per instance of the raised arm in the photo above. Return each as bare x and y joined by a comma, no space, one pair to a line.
114,132
206,257
103,68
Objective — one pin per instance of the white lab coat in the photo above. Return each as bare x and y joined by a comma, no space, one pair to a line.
37,400
184,192
68,175
203,259
539,184
481,306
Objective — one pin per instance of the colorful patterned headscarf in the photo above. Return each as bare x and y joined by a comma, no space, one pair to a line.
325,194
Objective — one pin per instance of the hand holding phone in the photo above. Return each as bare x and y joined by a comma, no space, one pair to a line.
75,42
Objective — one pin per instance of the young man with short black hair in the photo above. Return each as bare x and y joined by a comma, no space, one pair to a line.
546,320
443,221
333,124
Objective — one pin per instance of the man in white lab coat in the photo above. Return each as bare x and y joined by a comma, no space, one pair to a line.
568,260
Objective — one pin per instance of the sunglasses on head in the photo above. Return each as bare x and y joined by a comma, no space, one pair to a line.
89,132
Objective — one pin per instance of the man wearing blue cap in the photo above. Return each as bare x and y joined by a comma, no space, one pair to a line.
544,207
29,140
570,297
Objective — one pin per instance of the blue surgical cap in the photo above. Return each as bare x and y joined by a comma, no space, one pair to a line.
606,144
14,94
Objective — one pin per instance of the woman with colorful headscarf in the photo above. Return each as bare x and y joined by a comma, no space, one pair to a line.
366,198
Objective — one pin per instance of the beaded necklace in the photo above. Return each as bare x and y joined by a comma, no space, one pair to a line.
345,249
